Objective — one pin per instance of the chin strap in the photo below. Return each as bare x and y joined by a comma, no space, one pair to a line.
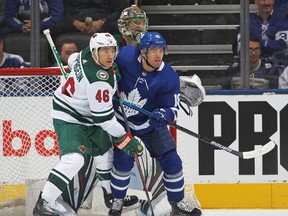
146,60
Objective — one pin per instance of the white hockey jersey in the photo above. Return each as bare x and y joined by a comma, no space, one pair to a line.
86,96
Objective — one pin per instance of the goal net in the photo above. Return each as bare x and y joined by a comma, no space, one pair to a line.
29,146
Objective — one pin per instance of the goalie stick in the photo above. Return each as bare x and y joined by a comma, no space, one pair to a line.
245,155
55,53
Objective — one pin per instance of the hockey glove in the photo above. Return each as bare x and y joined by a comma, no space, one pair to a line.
129,144
158,119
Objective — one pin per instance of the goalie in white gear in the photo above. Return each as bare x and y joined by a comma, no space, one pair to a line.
83,116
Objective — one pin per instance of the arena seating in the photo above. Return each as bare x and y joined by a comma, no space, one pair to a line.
19,43
199,36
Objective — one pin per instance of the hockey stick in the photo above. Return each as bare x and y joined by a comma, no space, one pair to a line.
135,155
55,53
245,155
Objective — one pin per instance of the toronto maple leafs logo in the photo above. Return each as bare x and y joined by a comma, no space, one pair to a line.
134,98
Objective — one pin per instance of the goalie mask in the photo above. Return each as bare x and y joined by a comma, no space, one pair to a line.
102,40
192,93
132,22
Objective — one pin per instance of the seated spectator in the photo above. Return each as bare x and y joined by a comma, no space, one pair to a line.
104,15
18,15
270,26
8,60
262,70
65,48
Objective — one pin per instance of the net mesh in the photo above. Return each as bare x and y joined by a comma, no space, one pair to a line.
29,147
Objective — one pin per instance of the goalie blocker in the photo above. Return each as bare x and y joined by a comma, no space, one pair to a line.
192,93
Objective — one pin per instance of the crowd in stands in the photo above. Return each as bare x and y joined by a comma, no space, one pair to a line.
269,31
269,25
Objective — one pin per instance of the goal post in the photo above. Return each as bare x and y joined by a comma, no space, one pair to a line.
29,146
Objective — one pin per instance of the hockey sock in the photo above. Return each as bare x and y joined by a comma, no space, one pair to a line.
61,174
104,164
173,178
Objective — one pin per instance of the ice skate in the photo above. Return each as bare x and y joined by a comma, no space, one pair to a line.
59,208
130,202
116,208
42,208
181,208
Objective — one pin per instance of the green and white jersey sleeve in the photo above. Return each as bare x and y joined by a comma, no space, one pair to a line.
86,96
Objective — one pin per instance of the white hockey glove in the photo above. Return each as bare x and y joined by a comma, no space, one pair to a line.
192,93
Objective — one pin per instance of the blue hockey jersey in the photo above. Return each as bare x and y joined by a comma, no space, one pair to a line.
19,10
273,33
266,70
148,90
12,61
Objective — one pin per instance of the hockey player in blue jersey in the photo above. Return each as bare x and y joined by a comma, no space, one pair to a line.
150,83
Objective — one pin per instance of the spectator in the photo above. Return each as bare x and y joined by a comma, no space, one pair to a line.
104,14
270,26
8,60
65,48
18,15
260,68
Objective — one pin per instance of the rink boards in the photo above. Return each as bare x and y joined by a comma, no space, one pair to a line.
242,122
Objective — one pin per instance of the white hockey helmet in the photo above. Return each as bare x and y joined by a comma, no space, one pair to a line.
102,40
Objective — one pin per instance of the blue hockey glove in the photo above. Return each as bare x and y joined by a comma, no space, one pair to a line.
129,144
158,119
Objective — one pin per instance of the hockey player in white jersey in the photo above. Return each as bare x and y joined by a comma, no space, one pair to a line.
82,107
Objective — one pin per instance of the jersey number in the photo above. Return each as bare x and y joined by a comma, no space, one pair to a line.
69,87
102,96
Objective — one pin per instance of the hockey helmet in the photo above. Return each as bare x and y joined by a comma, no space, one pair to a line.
102,40
129,15
152,39
99,40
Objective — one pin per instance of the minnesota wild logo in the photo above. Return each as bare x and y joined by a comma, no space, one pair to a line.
102,75
82,148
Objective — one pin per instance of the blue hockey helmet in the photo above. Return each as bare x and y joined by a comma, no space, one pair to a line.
152,39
